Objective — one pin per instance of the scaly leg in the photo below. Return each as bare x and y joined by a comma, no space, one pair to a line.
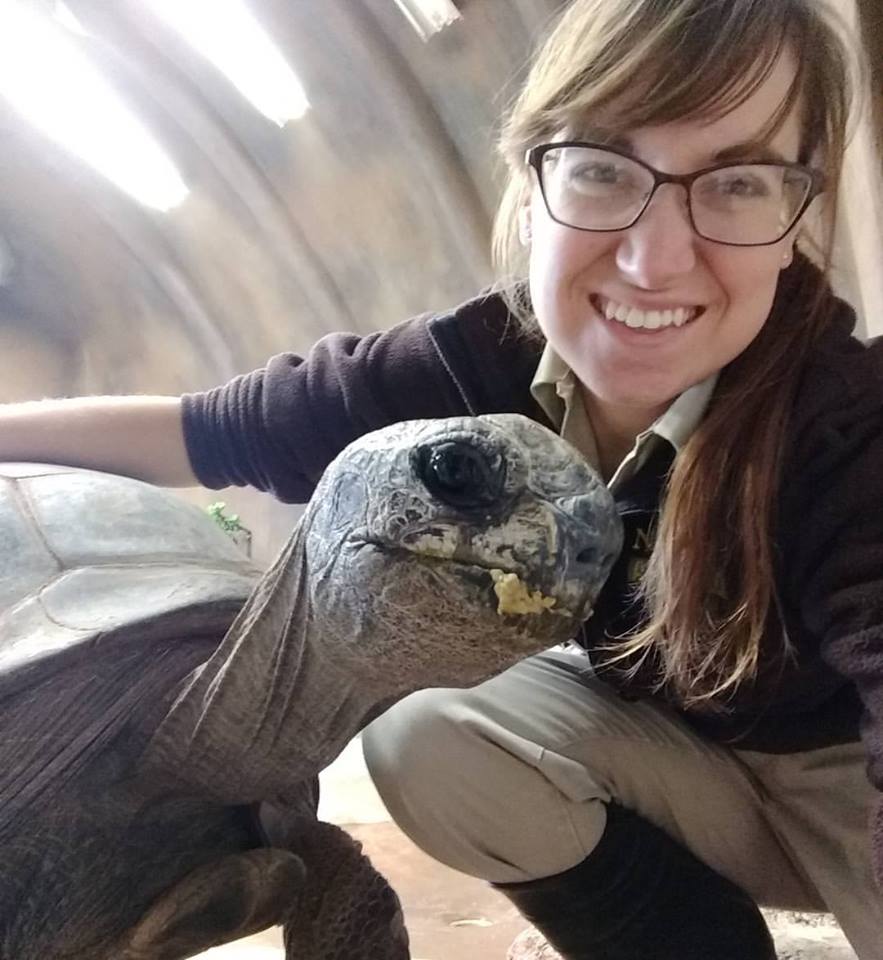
345,910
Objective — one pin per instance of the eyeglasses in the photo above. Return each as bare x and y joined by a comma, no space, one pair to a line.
590,186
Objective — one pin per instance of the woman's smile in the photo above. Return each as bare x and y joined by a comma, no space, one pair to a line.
646,319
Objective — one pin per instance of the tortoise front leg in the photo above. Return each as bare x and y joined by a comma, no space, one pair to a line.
229,898
345,909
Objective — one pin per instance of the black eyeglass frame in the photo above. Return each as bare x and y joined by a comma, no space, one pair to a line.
534,158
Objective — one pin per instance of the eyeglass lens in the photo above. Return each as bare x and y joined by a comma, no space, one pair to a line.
595,189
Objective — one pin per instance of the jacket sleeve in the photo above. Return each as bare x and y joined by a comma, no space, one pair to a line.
277,428
839,563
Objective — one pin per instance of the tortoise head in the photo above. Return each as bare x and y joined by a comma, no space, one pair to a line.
432,554
441,552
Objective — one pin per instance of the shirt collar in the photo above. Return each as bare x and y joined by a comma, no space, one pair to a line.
554,387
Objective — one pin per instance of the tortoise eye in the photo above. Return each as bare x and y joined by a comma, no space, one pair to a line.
461,475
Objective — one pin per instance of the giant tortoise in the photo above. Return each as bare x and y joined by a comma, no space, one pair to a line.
163,723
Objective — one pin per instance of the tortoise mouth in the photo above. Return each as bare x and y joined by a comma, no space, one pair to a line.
486,578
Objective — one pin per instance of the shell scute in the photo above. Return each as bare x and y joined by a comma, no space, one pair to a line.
86,555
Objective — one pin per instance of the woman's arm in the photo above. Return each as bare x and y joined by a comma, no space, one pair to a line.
138,437
277,428
834,507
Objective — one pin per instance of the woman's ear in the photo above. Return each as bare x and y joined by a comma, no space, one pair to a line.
787,257
524,229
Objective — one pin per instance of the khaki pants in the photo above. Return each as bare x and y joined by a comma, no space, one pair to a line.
507,781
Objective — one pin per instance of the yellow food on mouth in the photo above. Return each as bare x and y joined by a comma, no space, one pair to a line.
513,595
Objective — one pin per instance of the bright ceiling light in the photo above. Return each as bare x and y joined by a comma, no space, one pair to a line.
65,16
46,78
429,16
226,33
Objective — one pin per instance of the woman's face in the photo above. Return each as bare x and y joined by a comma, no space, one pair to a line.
660,263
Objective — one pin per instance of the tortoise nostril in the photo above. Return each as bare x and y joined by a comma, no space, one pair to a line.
587,555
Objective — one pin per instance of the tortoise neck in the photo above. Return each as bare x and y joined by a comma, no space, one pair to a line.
266,711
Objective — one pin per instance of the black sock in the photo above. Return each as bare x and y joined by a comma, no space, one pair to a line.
640,895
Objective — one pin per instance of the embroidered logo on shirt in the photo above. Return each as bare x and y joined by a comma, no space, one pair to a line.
640,548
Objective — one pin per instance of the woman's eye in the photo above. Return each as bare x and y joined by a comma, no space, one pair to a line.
600,179
744,187
739,185
596,173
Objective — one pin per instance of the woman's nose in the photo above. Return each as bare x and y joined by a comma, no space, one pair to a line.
661,246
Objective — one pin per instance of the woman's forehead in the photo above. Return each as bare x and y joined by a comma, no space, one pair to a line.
748,130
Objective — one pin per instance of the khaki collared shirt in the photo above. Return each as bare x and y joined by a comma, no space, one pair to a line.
556,390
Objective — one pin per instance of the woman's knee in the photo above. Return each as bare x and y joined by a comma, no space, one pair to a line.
418,751
446,768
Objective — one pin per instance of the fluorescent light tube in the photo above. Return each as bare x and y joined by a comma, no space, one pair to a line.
429,16
226,33
65,16
52,84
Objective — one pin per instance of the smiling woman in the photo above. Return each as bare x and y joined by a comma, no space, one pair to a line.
659,306
747,134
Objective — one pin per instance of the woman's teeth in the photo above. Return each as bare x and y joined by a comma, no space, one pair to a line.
647,319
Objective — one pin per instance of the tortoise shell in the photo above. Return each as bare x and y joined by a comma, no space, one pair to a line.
89,557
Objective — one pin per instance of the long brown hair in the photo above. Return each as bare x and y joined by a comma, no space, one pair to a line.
709,586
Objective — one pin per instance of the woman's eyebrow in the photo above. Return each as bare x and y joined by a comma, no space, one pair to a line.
609,138
756,150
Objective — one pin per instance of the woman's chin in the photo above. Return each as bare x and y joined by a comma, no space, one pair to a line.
638,395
